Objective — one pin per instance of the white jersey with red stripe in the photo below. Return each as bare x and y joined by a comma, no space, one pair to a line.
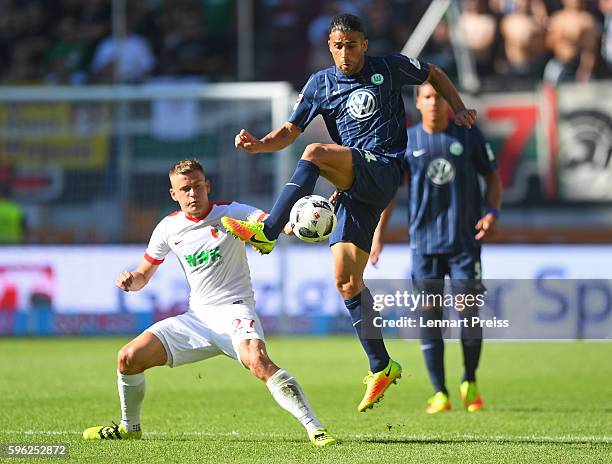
215,264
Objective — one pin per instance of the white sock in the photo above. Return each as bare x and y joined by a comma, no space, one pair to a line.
131,393
290,396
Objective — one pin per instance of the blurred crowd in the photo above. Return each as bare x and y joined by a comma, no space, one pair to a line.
72,41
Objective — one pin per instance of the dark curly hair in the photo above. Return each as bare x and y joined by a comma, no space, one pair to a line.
346,22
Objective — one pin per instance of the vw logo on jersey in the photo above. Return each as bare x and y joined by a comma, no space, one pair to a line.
440,171
362,104
456,148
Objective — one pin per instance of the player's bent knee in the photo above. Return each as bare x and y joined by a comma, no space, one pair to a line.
129,361
347,287
126,360
314,153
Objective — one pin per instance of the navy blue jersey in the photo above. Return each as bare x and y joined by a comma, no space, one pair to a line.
364,110
445,197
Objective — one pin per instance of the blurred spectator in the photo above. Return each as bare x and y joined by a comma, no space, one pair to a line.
479,31
605,7
439,49
379,23
185,49
28,27
54,40
523,37
127,59
68,57
318,32
12,218
92,19
220,17
539,8
7,29
572,38
284,48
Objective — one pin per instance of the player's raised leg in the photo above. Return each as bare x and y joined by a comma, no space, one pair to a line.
349,264
143,352
333,162
284,388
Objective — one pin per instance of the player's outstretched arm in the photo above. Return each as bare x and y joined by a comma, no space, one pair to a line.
443,85
486,226
377,239
276,140
136,280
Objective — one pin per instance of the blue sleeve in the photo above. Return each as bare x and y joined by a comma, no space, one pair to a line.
307,105
481,153
409,71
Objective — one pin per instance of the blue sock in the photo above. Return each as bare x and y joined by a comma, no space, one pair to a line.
433,352
302,183
361,309
471,342
432,346
471,356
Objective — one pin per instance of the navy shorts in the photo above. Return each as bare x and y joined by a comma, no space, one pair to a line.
428,272
358,209
464,269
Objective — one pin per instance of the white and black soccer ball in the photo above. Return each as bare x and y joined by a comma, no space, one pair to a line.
312,218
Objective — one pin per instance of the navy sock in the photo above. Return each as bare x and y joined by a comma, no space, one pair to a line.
472,348
302,183
471,342
433,352
432,346
361,309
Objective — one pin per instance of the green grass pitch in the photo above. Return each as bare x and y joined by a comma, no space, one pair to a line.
545,402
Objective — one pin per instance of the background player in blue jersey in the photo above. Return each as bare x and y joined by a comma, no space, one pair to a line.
448,220
360,101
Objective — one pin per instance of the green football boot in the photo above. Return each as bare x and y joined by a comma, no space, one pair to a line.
321,437
377,384
249,232
438,403
114,432
472,401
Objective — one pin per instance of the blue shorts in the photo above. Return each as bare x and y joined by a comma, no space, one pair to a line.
464,269
428,272
358,209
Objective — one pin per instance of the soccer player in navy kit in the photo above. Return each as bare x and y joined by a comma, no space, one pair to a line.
448,220
360,101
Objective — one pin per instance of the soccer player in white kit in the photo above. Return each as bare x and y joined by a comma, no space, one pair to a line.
221,318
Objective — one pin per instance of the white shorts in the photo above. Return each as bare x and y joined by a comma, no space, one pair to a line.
195,336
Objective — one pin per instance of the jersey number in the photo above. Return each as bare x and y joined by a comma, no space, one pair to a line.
245,324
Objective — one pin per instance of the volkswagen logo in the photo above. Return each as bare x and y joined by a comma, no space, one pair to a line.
440,171
362,104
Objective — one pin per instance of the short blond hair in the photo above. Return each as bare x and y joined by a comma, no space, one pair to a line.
186,166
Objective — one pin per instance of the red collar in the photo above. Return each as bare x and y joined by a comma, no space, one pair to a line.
199,218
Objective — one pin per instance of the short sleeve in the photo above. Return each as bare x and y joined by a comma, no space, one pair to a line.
241,211
482,153
158,246
410,71
307,105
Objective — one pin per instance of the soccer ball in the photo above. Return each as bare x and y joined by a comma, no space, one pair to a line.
312,218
